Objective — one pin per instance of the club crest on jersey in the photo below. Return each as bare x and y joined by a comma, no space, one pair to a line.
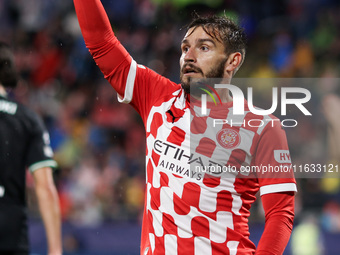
228,138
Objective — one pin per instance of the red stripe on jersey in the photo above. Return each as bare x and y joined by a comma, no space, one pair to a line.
159,243
224,201
206,147
155,198
149,172
219,248
198,125
180,207
220,111
247,187
185,246
164,180
237,158
211,181
176,136
191,194
200,227
149,218
169,225
157,122
155,157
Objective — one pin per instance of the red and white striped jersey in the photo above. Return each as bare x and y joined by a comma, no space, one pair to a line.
188,210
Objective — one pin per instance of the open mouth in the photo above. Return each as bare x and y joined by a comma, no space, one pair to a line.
190,70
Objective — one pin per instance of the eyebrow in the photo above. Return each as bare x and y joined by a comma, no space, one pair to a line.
185,41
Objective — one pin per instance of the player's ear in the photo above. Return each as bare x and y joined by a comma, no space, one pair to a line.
233,63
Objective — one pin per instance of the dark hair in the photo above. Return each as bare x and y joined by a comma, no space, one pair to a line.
224,30
8,73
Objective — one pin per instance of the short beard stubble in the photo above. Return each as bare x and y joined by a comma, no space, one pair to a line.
215,72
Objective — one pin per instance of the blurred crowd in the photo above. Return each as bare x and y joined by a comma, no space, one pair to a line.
99,144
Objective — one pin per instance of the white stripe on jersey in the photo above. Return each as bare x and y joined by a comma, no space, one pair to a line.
130,83
232,246
152,241
202,246
170,244
281,187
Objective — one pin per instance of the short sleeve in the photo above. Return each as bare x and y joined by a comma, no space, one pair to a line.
273,160
40,153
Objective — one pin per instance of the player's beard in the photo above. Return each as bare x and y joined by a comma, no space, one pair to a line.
216,71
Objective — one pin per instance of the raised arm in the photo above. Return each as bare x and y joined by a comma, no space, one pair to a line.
94,23
49,208
111,57
134,83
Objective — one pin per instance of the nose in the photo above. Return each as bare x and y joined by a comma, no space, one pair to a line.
190,55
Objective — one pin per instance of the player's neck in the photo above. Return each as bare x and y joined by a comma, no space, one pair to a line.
224,95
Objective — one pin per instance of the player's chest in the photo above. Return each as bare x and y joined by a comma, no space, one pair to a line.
191,146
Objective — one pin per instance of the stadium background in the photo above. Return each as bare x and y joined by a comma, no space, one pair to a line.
99,144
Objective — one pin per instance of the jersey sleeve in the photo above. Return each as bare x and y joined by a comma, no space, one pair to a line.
279,213
272,159
135,84
39,152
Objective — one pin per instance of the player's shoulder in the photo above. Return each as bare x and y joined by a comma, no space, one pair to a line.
33,117
273,125
8,106
161,86
154,75
20,111
263,123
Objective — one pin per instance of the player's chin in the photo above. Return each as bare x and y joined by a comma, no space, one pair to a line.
185,82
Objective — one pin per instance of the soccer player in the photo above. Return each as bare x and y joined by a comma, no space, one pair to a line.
24,143
192,212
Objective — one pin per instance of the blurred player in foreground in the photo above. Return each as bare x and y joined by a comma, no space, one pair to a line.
194,213
24,143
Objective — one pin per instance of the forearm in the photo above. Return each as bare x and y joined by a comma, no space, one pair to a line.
279,208
111,57
50,213
49,209
275,236
94,23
